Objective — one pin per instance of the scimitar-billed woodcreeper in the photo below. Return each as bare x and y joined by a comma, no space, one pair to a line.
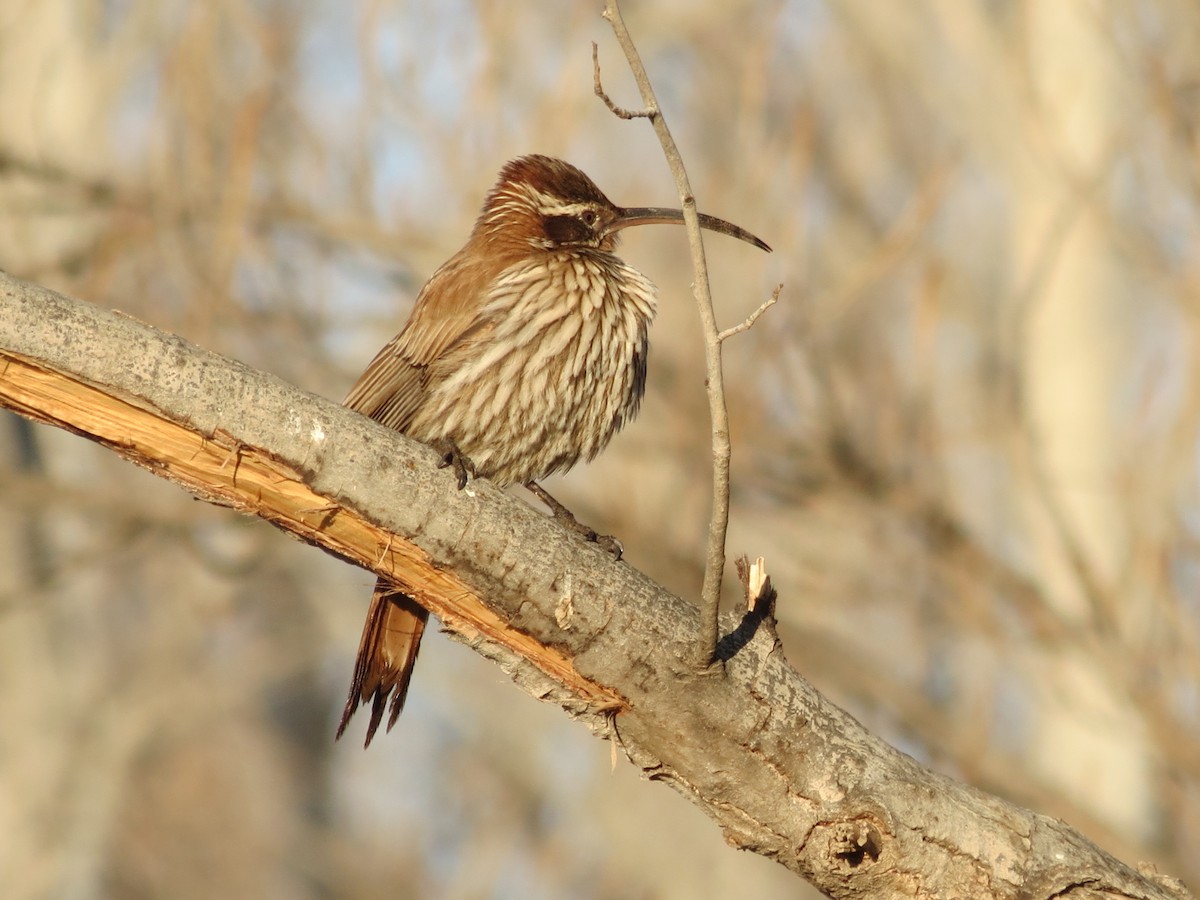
525,353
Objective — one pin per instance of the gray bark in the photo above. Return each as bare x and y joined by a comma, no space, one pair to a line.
781,770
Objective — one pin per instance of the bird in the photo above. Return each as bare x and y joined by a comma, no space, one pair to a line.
524,353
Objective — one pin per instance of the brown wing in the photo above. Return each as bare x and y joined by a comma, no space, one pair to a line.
388,650
396,383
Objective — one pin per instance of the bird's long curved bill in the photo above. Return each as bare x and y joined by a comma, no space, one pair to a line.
659,216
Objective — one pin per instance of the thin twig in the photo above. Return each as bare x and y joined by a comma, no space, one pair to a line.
620,112
752,318
714,566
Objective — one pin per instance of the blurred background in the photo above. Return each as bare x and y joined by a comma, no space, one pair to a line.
965,440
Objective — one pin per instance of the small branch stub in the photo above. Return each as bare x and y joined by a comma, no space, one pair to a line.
749,321
760,593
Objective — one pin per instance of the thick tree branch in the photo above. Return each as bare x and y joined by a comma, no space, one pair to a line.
781,770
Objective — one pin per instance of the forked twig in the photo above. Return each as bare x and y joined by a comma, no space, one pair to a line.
619,111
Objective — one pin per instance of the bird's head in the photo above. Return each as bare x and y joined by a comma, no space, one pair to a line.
548,204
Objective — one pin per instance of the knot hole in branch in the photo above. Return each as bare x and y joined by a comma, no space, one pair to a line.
849,845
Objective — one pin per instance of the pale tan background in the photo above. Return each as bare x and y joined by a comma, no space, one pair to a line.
965,440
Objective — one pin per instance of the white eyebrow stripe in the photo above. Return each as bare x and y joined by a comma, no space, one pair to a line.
552,206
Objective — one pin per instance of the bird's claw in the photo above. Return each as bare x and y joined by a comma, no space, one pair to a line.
464,469
603,541
565,517
609,543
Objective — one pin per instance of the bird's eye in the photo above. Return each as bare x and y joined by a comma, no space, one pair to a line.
588,217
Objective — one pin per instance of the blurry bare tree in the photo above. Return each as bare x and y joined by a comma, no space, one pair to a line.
966,440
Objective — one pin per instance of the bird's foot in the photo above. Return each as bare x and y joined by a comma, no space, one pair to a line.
453,457
567,519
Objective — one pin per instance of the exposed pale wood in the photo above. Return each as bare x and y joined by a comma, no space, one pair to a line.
223,470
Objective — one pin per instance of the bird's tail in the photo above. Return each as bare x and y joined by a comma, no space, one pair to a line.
386,655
